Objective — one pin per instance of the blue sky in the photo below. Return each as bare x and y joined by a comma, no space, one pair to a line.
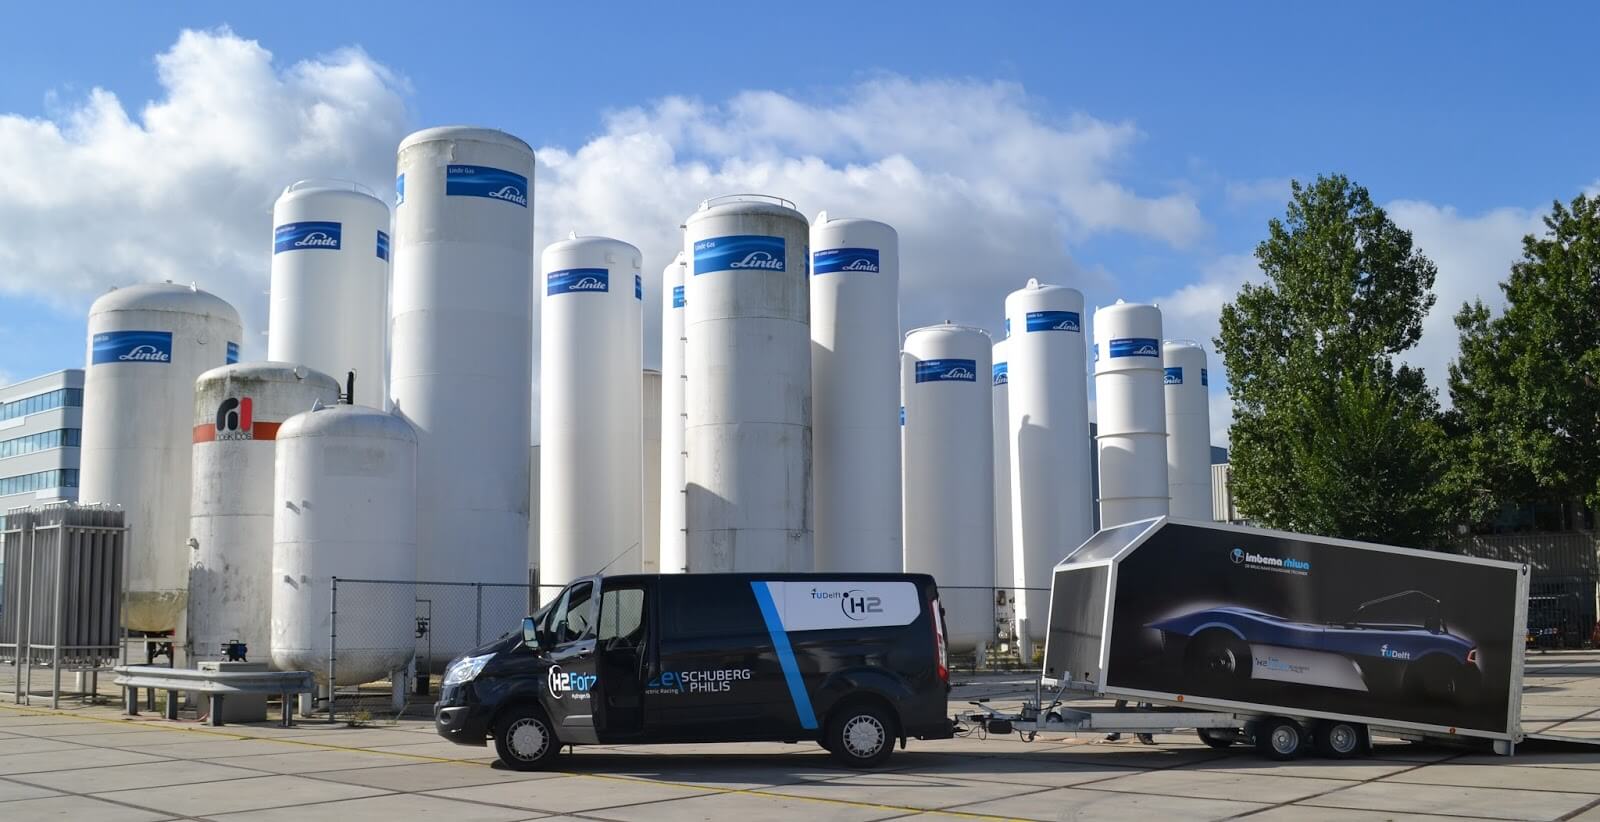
1468,118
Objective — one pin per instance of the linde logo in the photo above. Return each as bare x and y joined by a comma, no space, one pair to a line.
145,353
758,259
1053,321
859,265
511,193
947,371
1239,556
236,419
1135,347
577,280
1001,374
562,683
317,239
1389,653
1172,376
854,260
306,236
589,284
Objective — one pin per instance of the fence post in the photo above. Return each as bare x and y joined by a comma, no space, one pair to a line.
477,629
333,642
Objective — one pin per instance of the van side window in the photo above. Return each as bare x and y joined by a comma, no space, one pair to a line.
569,621
622,615
701,607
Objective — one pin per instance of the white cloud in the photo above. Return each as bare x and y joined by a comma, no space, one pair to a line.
182,189
1474,254
1250,192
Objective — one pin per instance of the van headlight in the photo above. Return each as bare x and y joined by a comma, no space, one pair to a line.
465,669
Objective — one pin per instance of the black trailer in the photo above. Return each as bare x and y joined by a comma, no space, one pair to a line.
1280,639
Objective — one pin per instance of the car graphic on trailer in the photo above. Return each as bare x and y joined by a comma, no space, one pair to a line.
1403,654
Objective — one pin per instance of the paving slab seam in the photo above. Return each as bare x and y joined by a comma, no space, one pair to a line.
1351,784
1578,718
1580,811
167,815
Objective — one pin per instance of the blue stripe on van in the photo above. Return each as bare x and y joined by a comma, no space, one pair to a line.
780,642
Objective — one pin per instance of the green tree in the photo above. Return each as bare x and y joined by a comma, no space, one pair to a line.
1331,436
1526,385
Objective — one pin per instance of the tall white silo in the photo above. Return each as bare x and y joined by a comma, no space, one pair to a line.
330,284
1188,428
461,364
1048,432
674,556
855,402
147,346
1004,577
747,365
1132,431
651,555
343,483
949,474
591,464
238,410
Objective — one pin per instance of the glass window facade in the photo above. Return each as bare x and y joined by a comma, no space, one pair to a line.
68,397
39,481
42,441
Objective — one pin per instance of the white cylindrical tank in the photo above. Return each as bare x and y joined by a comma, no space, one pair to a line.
747,367
591,447
461,367
147,346
330,284
1132,431
949,474
652,471
1052,497
674,555
1188,428
855,394
1004,577
343,484
237,412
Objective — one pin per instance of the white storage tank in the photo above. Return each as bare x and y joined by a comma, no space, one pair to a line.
343,484
147,346
747,366
330,284
591,445
461,366
238,410
1052,496
1132,430
674,556
949,474
855,394
1187,386
1004,577
652,471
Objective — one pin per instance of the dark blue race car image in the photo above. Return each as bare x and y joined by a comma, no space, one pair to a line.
1398,645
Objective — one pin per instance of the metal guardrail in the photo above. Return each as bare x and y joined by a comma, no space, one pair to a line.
216,685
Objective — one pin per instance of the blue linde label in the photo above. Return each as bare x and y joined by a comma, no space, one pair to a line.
902,416
638,287
1053,321
131,347
947,370
677,296
305,236
483,181
1135,347
1204,378
400,190
1172,375
835,260
577,280
1000,375
1096,347
383,245
740,252
233,353
1008,326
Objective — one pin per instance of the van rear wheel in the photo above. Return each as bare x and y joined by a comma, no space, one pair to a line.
861,736
524,739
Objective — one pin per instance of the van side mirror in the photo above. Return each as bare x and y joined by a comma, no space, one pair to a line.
530,633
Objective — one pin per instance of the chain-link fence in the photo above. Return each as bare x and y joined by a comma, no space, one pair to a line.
1564,583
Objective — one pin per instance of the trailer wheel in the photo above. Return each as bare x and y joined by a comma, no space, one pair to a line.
1341,740
1280,739
1215,738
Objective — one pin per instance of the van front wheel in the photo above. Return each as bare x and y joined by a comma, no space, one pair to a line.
524,739
861,736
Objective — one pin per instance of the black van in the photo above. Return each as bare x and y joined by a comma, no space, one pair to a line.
854,661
